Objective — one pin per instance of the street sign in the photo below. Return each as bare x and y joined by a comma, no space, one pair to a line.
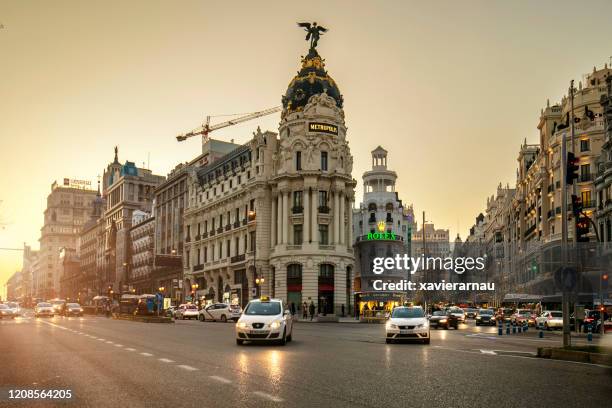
565,278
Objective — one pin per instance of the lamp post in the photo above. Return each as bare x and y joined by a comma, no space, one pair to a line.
160,305
194,287
259,281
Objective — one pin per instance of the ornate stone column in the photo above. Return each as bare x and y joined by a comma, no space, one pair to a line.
279,216
315,223
274,218
285,217
336,218
342,224
306,228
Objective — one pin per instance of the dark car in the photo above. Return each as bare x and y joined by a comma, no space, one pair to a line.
505,314
442,318
471,313
485,317
593,319
73,309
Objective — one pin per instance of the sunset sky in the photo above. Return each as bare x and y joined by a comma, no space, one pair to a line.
450,89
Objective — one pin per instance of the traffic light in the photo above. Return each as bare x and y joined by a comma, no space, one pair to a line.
576,205
604,281
582,229
571,171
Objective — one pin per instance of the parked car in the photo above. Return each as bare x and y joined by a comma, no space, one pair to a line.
73,309
44,309
523,315
407,323
485,317
443,318
6,312
221,312
550,319
265,320
186,311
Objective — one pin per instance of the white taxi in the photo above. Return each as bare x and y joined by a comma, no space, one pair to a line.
265,320
407,323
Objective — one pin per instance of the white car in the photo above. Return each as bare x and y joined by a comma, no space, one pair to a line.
550,319
186,311
265,320
6,312
407,323
15,307
44,309
221,312
459,313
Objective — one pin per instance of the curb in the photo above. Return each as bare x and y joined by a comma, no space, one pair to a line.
575,355
143,319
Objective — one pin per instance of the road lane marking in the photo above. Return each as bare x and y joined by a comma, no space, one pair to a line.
491,352
118,345
130,349
188,368
146,354
268,396
101,339
109,342
166,360
220,379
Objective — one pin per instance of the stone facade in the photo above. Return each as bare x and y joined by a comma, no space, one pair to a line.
273,216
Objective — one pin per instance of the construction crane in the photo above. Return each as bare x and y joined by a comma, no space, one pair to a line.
206,128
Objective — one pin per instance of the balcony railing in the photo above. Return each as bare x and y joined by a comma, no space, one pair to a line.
187,238
219,230
585,178
199,267
244,221
212,232
204,235
297,209
326,247
389,219
198,237
323,209
372,220
294,247
228,227
236,224
237,258
589,204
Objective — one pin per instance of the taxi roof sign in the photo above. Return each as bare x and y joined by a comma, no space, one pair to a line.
265,298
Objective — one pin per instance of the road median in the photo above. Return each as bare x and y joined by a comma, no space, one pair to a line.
142,319
582,354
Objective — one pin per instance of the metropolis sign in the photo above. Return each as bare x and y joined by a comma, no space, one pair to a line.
322,128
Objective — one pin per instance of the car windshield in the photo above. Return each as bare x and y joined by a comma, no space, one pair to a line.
191,307
73,305
485,312
12,304
456,311
263,308
525,312
43,305
408,312
439,313
556,314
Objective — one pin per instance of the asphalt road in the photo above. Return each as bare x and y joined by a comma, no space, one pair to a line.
111,363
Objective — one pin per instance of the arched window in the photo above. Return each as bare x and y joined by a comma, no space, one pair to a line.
372,207
389,207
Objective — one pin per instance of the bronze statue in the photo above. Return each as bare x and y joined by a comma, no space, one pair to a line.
314,33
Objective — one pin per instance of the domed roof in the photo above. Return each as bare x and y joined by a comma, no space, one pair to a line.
311,80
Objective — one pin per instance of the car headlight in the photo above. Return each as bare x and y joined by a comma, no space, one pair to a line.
241,325
391,325
443,321
275,324
478,318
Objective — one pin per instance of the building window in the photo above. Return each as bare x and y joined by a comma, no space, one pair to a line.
297,202
187,260
252,240
323,161
298,160
297,234
585,145
237,246
585,172
198,257
205,254
586,199
227,249
220,250
322,198
323,234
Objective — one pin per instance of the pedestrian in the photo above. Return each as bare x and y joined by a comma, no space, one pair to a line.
343,310
311,309
292,308
304,311
108,309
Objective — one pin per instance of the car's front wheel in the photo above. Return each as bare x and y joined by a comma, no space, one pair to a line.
223,318
283,340
239,342
388,341
201,318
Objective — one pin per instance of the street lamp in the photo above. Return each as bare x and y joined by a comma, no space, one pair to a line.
194,287
259,281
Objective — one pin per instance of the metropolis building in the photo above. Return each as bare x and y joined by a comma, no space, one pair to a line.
273,217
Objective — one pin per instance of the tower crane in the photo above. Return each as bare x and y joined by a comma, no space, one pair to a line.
206,128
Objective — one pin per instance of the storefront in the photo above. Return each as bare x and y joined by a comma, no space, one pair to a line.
377,304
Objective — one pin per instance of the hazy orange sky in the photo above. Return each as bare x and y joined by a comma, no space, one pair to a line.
450,88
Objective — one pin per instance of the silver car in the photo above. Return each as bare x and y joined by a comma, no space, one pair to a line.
550,319
44,309
6,312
